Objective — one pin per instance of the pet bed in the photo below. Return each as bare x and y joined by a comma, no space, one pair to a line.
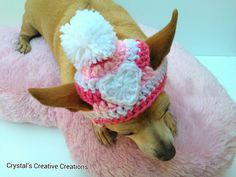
205,115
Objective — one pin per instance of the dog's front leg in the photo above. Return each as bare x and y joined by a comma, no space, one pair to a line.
27,32
104,135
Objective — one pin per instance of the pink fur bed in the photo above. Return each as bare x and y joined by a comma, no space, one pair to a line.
205,115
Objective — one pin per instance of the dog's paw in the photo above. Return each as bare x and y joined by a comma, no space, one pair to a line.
23,46
104,135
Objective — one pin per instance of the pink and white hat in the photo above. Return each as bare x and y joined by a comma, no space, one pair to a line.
112,75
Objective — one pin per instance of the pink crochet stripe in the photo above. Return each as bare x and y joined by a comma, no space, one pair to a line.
148,74
106,66
145,103
88,96
144,55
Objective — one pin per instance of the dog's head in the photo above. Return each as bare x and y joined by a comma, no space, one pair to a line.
152,130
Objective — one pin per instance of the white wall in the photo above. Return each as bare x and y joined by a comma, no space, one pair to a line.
11,12
206,27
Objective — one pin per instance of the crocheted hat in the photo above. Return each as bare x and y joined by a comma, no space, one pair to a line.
112,75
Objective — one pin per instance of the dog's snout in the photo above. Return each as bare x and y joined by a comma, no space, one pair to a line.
166,153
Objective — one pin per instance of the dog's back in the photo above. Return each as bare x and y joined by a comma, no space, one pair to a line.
46,16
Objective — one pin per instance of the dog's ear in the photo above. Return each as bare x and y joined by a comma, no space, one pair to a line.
64,96
161,42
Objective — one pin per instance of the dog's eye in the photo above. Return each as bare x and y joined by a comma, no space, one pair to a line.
128,134
167,109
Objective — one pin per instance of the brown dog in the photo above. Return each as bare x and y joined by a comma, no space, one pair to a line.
153,130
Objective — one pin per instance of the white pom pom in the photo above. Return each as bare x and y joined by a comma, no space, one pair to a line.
88,38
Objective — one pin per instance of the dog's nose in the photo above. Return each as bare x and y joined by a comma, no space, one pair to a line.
167,153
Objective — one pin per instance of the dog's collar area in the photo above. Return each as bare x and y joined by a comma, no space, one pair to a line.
112,75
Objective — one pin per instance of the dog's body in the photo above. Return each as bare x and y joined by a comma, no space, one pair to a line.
153,130
45,18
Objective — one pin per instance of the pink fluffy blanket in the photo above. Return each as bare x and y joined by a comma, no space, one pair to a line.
205,115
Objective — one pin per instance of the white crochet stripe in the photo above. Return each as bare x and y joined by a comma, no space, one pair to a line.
133,49
87,38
